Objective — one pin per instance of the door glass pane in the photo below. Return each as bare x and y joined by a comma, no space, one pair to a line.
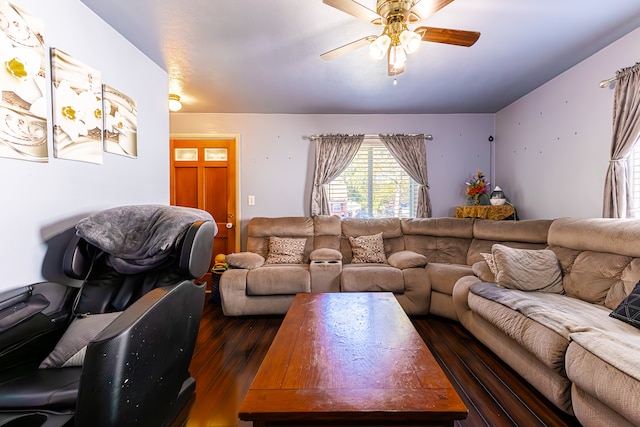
215,154
186,154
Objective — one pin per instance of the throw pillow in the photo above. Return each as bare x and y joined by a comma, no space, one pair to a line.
488,258
629,309
407,259
285,250
72,346
246,260
483,272
368,249
527,269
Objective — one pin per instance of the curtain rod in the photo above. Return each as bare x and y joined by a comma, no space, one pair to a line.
428,137
607,82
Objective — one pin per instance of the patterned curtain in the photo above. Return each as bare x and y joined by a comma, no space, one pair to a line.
333,155
411,153
626,132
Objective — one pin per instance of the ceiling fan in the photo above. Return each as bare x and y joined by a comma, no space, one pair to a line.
396,40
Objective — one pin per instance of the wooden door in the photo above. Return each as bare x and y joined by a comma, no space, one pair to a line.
203,176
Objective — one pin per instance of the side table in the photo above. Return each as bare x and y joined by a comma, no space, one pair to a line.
493,212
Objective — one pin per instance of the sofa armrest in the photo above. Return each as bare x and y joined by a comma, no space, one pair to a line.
246,260
325,254
461,296
325,275
406,259
443,277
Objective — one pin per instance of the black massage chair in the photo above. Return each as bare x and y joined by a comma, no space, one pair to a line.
135,371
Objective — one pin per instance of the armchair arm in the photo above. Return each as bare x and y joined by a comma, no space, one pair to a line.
135,369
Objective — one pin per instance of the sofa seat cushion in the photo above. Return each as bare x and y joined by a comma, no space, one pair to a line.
279,279
545,344
542,322
617,345
371,278
598,365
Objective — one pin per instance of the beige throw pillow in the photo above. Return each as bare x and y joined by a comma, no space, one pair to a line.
284,250
527,269
488,258
483,272
368,249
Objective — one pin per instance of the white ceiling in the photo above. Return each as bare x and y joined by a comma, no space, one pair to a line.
263,56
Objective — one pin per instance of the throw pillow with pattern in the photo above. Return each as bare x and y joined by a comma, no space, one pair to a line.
488,258
368,249
284,250
629,309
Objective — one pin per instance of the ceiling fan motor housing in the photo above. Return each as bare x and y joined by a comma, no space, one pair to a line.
392,9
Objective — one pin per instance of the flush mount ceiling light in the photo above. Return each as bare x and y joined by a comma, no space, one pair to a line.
174,102
396,40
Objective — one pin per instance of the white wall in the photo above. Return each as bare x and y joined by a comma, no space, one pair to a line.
39,200
277,159
552,145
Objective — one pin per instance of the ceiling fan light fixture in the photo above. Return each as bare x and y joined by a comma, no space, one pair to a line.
410,41
397,56
379,47
174,102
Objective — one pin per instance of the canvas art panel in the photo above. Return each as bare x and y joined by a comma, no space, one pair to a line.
120,123
77,109
23,106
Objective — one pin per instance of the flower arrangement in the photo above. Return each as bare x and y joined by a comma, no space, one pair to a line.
477,186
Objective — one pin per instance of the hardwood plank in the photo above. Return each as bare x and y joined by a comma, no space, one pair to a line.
230,350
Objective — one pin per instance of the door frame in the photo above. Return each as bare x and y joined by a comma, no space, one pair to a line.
236,142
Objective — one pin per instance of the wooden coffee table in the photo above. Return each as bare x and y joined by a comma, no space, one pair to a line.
350,358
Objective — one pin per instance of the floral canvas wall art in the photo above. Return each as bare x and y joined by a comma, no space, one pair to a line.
77,109
120,123
23,107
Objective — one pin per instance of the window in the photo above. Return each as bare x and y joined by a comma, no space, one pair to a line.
374,185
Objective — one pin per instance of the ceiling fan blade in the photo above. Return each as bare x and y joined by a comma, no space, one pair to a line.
355,9
425,8
448,36
349,47
393,71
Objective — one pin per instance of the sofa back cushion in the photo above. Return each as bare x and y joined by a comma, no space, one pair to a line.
356,227
593,274
442,240
327,232
614,236
600,257
525,234
261,229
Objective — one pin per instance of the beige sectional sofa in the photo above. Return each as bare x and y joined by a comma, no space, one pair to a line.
561,338
566,344
425,258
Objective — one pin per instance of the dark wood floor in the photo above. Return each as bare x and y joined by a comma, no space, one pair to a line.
229,351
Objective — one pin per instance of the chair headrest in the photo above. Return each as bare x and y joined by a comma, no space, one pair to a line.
197,248
193,253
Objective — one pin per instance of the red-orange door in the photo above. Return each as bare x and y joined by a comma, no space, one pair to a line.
203,176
